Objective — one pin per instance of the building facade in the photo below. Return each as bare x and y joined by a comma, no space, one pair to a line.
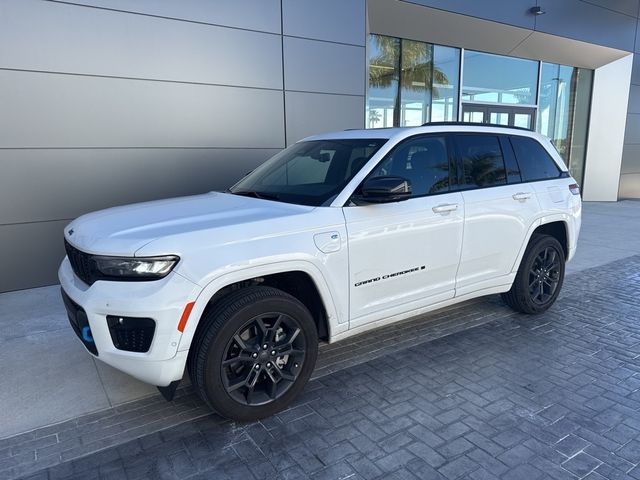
107,102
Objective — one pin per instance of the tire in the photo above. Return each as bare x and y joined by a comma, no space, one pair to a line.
533,270
232,371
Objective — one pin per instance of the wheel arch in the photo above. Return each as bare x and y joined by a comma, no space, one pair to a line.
557,226
558,229
300,279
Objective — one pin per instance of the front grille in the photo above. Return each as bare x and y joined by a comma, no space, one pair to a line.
132,334
81,263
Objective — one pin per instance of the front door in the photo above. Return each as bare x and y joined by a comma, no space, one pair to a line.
507,115
404,255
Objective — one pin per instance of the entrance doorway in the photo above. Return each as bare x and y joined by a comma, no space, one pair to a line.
499,115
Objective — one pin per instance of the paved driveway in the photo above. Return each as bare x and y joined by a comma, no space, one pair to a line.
553,396
475,391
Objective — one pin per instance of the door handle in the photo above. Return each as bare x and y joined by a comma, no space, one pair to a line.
446,208
521,196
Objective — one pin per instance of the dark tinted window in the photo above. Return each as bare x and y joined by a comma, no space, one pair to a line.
535,163
423,161
513,171
482,162
309,173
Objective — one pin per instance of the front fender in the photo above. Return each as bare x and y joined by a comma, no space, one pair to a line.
336,313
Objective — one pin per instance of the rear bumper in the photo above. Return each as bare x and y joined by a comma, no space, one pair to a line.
161,300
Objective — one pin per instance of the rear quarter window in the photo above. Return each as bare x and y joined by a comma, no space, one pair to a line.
534,160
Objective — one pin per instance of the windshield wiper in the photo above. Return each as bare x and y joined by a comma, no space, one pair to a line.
255,194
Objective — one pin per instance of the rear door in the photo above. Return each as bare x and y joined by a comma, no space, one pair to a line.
499,208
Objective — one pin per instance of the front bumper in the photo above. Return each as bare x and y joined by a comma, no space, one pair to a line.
162,300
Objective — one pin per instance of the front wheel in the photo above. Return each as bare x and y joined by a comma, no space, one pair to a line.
539,278
254,353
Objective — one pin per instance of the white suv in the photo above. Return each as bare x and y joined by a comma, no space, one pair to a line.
338,234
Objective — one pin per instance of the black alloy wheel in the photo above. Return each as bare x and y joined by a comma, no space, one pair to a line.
263,359
544,275
253,353
539,278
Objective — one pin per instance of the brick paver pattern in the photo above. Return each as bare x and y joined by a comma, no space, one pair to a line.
518,397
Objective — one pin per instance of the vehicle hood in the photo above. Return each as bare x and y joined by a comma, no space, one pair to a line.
125,230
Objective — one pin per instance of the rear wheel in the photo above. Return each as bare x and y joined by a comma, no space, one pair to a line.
255,352
539,278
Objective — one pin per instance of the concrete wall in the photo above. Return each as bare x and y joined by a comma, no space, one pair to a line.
107,102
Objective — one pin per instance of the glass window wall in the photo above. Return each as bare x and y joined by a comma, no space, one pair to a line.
563,113
446,70
410,82
382,96
499,79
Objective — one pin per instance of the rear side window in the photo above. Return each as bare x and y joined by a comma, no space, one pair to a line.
535,162
482,160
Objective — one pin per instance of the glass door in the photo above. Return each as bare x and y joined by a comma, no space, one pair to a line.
474,113
508,116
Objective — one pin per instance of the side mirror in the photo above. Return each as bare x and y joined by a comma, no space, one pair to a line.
385,189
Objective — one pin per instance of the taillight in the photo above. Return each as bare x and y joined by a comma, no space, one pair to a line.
574,188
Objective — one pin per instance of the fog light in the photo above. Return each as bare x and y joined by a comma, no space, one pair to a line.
132,334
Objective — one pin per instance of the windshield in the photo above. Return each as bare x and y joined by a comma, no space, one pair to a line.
309,173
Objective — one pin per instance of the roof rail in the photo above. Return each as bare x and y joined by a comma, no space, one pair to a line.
472,124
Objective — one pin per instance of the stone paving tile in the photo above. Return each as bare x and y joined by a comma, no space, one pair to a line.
516,397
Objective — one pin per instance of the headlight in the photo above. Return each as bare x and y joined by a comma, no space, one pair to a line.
131,268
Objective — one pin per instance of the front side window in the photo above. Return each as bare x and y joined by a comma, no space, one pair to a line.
535,162
423,161
482,161
309,173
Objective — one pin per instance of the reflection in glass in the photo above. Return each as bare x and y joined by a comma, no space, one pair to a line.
499,118
446,65
522,120
473,116
415,83
384,56
499,79
406,78
563,115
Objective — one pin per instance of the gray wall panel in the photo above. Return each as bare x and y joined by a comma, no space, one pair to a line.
628,7
635,73
51,110
630,185
632,131
30,254
312,113
324,67
634,99
261,15
631,159
82,180
333,20
587,22
67,38
513,12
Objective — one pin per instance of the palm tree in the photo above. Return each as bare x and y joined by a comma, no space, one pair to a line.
374,117
418,73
